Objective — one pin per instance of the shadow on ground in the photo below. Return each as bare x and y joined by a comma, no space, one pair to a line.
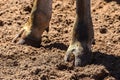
111,62
118,1
60,46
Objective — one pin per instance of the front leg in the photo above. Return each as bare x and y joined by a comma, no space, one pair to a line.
82,35
36,24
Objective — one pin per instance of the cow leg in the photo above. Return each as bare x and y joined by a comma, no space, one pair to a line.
36,24
82,35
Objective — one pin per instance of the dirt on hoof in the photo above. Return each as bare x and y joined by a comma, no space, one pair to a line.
21,62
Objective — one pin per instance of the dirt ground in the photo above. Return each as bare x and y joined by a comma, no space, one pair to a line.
21,62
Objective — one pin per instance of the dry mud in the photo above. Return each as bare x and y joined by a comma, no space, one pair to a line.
21,62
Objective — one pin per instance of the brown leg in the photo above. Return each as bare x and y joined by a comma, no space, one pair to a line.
83,34
37,23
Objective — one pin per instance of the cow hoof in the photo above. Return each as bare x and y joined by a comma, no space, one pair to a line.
30,41
82,54
26,39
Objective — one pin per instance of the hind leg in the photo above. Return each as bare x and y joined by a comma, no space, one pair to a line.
36,24
82,35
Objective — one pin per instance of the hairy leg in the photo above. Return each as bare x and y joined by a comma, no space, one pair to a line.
82,35
36,24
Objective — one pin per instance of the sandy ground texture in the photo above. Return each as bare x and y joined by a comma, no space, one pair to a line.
21,62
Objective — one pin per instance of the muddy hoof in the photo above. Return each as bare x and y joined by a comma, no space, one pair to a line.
30,41
82,54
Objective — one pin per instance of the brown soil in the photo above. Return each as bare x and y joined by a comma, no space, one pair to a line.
21,62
